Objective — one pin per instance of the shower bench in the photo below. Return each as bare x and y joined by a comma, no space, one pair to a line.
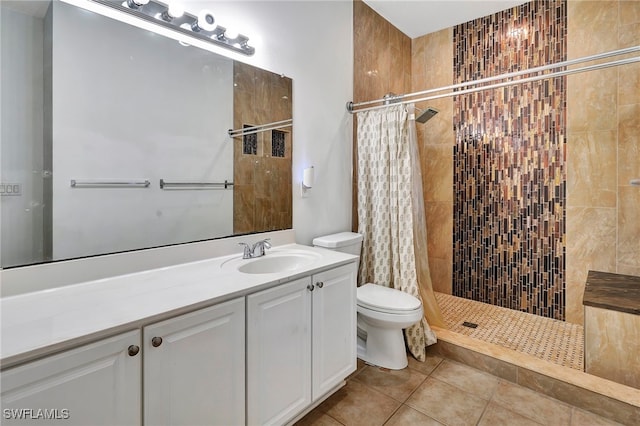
612,327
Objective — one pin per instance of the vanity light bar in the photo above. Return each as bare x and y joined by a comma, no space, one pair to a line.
201,27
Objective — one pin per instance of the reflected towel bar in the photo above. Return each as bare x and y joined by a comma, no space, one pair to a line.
262,128
194,185
144,183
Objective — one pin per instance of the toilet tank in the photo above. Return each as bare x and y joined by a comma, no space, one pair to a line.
347,242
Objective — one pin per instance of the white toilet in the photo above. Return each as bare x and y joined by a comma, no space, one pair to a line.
382,311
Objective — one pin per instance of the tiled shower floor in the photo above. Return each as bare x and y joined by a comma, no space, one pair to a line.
548,339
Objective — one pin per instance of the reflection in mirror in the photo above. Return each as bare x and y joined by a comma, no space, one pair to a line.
125,108
262,160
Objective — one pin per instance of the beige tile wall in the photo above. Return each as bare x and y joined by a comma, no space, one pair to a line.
612,344
603,148
431,67
382,56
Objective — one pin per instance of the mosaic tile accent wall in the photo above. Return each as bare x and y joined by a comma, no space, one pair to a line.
509,163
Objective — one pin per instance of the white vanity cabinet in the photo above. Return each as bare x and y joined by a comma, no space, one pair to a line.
97,384
278,352
193,374
334,343
301,343
263,357
194,368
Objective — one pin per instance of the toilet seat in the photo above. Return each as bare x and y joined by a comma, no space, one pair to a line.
388,300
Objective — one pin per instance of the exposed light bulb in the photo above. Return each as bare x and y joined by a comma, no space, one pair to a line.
230,34
205,22
174,10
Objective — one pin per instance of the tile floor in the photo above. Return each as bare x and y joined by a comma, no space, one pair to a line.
441,392
545,338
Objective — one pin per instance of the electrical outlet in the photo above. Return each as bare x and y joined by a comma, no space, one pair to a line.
10,189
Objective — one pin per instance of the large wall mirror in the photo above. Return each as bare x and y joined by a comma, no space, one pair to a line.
115,138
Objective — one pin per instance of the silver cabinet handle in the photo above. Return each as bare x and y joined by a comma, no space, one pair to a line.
310,287
319,284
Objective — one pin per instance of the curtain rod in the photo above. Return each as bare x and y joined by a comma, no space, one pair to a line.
396,99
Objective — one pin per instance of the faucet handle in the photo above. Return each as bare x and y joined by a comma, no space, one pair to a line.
248,252
261,245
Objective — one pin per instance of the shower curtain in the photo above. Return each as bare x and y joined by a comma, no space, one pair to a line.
387,202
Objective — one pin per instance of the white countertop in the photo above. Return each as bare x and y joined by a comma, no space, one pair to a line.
43,322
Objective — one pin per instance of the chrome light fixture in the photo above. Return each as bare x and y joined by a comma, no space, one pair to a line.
204,22
136,4
172,16
174,10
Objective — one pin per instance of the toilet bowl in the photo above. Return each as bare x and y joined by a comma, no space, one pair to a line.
382,315
383,312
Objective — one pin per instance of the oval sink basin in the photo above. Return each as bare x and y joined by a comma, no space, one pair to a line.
272,263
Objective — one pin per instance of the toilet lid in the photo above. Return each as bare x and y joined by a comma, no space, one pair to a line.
378,298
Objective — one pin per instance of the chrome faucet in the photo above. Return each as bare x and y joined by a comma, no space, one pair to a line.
260,246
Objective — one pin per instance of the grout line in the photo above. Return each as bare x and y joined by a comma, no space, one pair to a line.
392,414
484,410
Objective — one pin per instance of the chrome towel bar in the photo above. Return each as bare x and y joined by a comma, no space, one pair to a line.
261,128
115,183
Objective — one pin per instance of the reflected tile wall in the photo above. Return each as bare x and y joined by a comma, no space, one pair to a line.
509,163
262,178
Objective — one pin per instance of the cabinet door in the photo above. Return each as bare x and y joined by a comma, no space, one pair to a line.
194,368
278,352
334,327
96,384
